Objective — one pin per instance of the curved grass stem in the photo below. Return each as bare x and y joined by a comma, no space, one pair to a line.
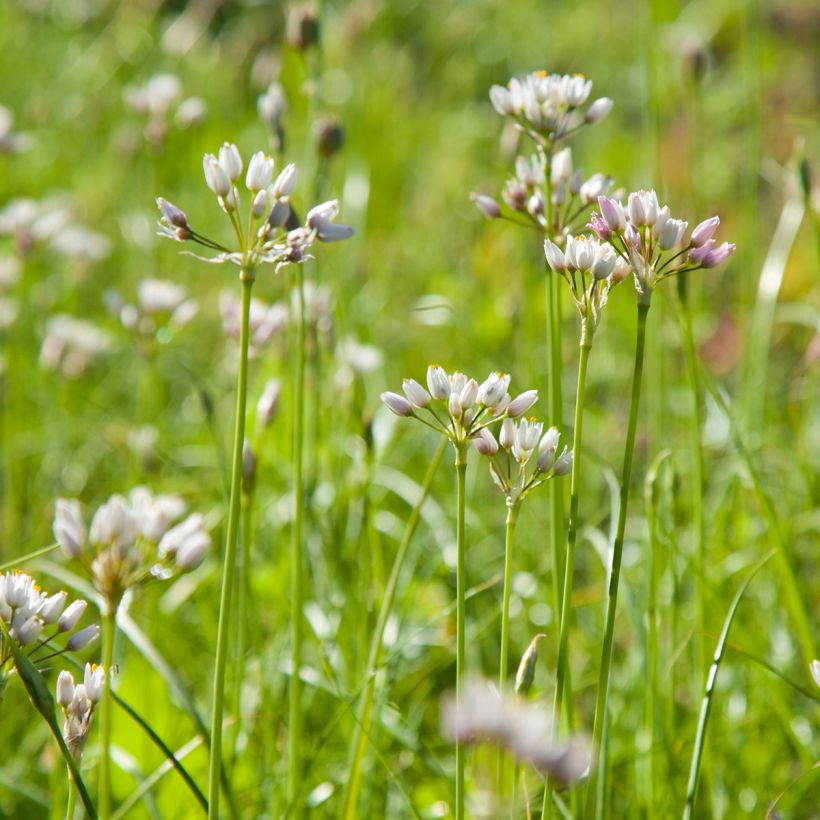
215,764
602,698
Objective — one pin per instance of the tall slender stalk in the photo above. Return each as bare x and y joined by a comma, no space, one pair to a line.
461,588
363,714
512,518
71,805
109,621
562,682
296,592
602,699
215,764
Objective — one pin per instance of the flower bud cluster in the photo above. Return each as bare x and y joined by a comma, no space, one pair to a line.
131,539
483,715
78,703
592,268
547,106
30,613
511,456
645,235
457,406
270,237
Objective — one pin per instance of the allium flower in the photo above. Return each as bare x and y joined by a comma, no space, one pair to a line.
72,344
78,703
468,407
131,539
651,241
158,100
265,240
524,729
546,106
592,268
511,456
35,619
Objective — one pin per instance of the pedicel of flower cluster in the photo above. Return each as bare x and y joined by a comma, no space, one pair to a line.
525,193
78,703
457,406
512,466
547,106
265,236
591,268
648,238
524,729
35,620
131,539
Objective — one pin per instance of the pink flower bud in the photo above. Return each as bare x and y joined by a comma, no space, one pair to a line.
521,403
397,404
486,205
718,255
704,231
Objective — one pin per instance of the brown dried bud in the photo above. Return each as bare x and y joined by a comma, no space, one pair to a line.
302,27
329,134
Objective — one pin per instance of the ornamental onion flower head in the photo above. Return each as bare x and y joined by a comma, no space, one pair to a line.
651,241
78,703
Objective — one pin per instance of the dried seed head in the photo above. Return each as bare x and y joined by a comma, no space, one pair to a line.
329,134
302,27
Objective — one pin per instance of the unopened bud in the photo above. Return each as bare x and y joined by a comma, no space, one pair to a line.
486,205
525,675
84,637
329,134
397,404
302,27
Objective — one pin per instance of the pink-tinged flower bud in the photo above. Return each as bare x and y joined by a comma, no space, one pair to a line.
671,234
454,407
635,210
82,638
506,437
171,214
52,607
485,442
69,527
69,618
521,403
718,255
28,631
604,262
65,688
279,213
696,255
597,225
438,383
260,204
613,213
268,403
330,232
563,463
230,160
596,186
576,182
535,204
397,404
325,212
285,182
415,393
468,394
215,176
555,256
704,231
501,100
193,551
599,109
632,237
260,172
492,389
486,205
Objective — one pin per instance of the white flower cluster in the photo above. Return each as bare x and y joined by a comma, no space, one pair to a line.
652,241
266,322
511,455
28,612
78,703
592,268
269,237
160,304
160,97
131,539
468,406
71,345
546,105
523,729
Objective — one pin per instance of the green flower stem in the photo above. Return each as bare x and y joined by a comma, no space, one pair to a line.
71,806
696,446
602,699
363,715
247,278
109,627
296,592
562,681
461,586
512,519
